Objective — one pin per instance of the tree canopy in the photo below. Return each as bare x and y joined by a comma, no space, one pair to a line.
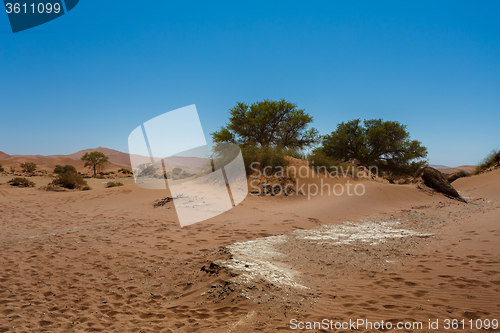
64,169
147,169
95,160
268,123
385,144
28,167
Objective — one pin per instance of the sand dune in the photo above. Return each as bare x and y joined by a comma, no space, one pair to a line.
3,155
466,168
105,260
439,166
114,155
117,160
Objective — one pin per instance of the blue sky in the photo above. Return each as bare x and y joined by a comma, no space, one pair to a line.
90,77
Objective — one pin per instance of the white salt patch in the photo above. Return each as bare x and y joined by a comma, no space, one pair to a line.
259,259
347,233
255,260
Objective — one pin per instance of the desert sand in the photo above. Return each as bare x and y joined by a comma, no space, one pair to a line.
105,260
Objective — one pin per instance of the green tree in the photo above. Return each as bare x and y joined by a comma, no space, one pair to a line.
28,166
268,123
147,169
375,142
95,160
64,169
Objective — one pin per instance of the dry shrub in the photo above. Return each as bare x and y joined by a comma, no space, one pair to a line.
490,161
53,188
21,182
114,184
264,156
70,180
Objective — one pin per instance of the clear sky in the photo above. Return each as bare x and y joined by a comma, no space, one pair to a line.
90,77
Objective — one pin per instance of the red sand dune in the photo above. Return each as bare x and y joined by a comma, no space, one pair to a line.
117,160
115,156
466,168
3,155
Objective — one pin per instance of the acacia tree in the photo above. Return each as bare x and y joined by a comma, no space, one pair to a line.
385,144
147,169
95,160
29,167
268,123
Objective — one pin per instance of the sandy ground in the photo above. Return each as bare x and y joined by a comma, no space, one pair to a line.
105,260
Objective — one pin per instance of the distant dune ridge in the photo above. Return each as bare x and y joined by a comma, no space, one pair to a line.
117,160
3,156
439,166
450,170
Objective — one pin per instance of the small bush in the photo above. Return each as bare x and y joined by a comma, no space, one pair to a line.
64,169
125,171
2,169
463,173
86,188
114,184
12,169
28,167
295,153
266,156
147,170
175,174
455,176
70,180
318,159
52,187
21,182
491,160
